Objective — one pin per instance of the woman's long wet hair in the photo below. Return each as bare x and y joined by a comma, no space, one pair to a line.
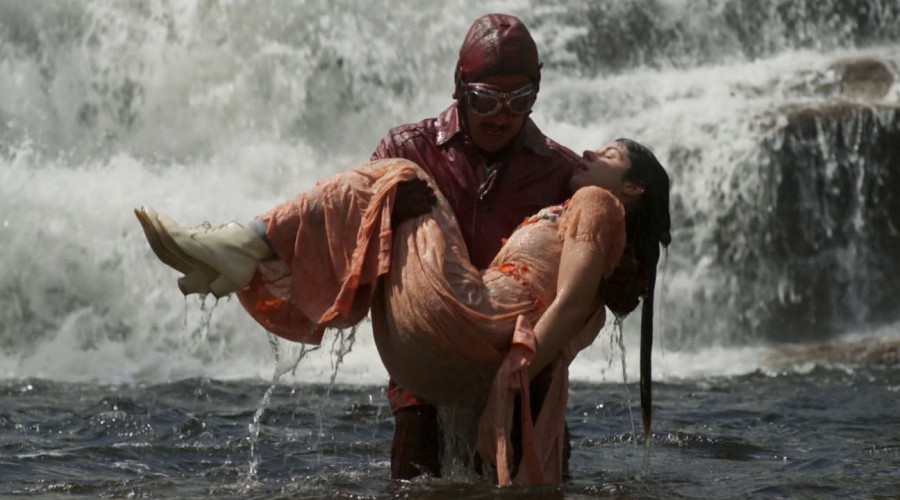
648,226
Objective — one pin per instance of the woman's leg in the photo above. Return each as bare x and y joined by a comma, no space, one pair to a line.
218,260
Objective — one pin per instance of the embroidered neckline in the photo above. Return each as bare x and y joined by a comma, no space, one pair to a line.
551,213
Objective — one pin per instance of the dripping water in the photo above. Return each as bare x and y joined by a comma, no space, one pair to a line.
618,337
253,427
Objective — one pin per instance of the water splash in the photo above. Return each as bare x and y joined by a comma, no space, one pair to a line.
341,345
254,426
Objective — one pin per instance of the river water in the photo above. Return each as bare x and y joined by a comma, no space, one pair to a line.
777,370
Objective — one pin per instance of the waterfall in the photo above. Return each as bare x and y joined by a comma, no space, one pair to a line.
778,121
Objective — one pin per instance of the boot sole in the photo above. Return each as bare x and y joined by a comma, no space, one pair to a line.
197,275
220,282
151,232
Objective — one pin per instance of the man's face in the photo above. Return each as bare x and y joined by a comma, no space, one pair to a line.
493,133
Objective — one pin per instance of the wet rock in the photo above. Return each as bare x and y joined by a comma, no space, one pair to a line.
830,354
834,225
865,78
801,240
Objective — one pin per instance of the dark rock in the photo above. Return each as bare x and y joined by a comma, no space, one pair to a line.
835,221
865,78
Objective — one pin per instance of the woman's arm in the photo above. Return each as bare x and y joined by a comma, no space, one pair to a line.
581,269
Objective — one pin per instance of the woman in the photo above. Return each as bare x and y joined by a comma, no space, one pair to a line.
335,249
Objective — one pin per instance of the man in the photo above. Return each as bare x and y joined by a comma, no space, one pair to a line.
495,167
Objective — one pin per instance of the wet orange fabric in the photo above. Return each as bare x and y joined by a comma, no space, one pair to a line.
333,243
449,326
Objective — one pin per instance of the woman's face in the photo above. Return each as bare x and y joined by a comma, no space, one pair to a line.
604,167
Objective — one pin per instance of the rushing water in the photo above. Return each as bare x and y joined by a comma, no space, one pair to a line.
825,433
778,348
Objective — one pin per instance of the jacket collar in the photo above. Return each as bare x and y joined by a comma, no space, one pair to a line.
449,125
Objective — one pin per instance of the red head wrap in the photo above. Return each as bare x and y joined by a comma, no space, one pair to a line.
497,44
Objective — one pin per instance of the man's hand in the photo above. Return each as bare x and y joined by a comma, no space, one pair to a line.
414,198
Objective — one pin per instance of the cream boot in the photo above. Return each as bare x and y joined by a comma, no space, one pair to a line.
218,260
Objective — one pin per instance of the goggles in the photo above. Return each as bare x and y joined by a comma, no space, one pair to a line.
485,101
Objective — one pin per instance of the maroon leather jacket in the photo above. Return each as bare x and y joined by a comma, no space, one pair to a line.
534,174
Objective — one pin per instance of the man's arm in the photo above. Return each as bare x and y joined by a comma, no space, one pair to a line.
387,148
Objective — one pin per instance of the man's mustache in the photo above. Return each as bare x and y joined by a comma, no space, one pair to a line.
495,126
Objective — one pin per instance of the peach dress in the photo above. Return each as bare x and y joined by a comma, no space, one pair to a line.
446,331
